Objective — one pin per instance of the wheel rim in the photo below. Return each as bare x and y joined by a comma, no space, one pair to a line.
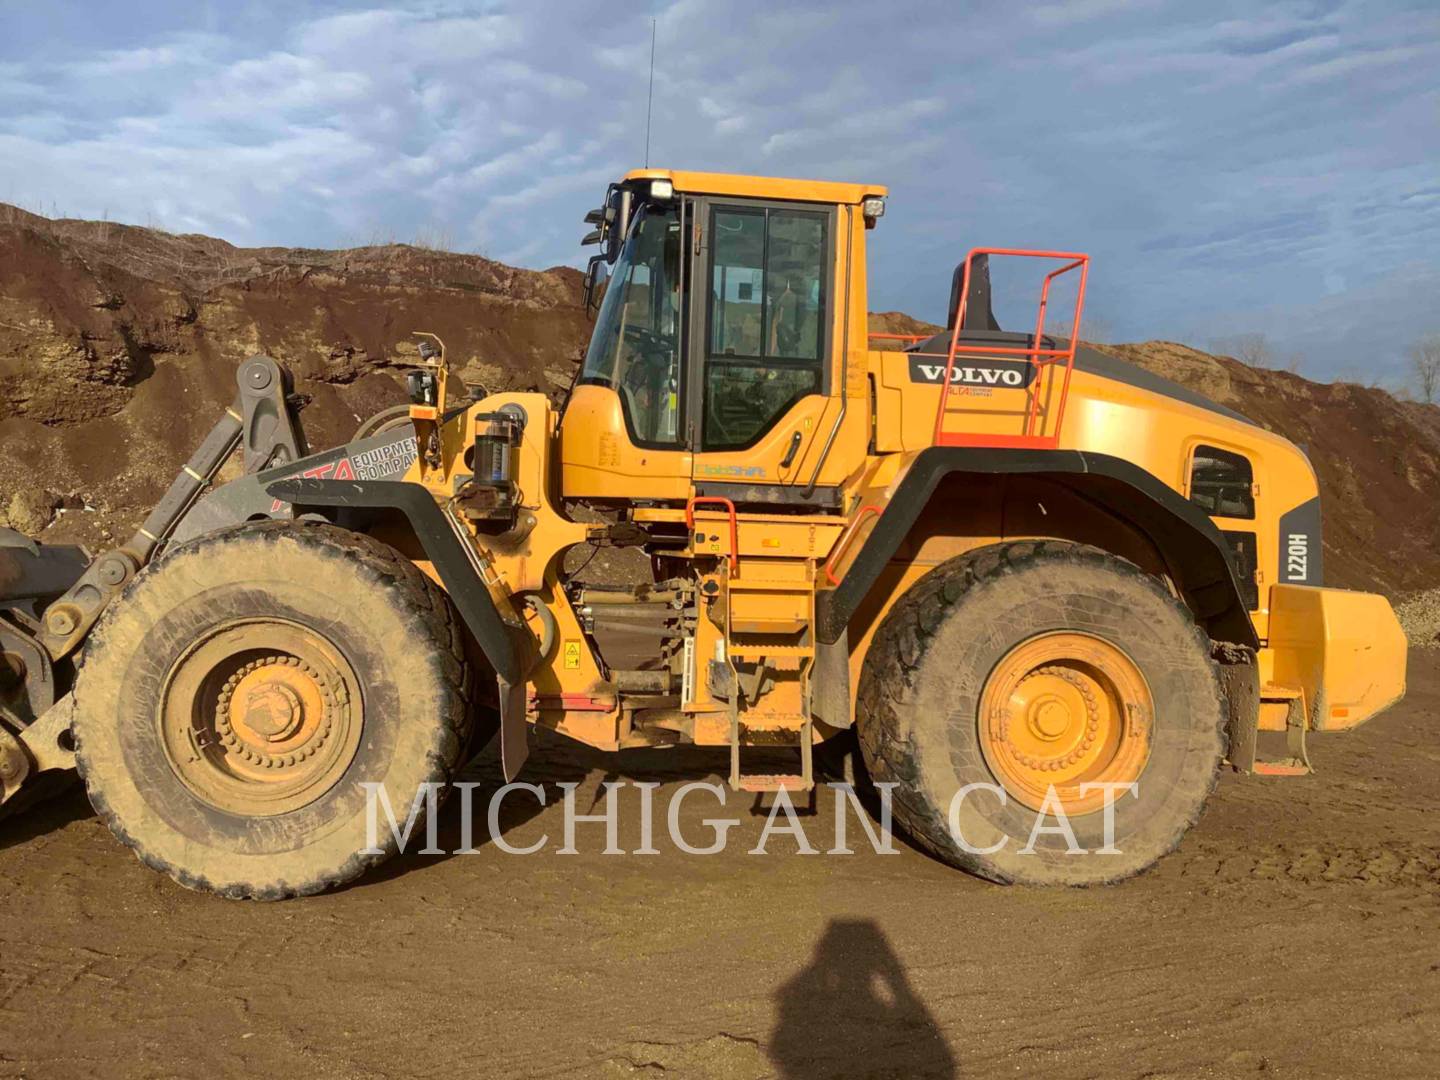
1064,710
260,717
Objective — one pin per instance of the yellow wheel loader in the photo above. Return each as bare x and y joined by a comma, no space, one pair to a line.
1019,578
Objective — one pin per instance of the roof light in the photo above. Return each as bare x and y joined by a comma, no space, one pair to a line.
873,206
662,189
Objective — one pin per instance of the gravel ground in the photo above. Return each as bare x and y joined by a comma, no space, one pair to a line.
1420,618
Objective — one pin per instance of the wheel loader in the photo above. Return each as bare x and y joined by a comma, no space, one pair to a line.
1009,574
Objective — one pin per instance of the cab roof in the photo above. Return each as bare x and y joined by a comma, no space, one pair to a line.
760,187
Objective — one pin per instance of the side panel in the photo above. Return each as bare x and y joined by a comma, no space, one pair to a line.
1299,545
598,460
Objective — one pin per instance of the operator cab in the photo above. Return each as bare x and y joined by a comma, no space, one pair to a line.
717,362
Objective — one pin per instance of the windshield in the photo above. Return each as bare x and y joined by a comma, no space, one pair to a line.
635,349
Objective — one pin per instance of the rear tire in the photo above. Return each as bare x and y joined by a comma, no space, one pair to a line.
232,703
940,681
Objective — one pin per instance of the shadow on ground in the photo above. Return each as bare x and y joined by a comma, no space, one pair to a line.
852,1012
47,806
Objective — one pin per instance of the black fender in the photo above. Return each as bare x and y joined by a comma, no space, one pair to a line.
1181,531
450,555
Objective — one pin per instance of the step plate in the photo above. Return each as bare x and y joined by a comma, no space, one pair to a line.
772,782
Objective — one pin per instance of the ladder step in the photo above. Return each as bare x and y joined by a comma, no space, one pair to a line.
784,729
756,652
793,585
773,782
1271,692
1282,767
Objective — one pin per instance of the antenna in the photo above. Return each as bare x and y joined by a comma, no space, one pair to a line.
650,97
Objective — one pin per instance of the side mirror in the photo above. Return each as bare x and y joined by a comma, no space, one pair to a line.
611,222
596,273
619,203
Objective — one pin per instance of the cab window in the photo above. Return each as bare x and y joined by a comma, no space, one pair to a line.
635,347
767,315
1222,483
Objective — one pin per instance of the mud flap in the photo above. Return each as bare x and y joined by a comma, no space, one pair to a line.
514,730
499,635
830,684
1240,683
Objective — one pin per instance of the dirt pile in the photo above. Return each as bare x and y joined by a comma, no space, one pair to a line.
897,322
118,348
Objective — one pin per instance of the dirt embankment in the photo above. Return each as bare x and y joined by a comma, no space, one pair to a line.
119,345
118,348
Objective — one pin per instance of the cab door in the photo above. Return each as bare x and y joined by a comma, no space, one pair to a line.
762,306
623,432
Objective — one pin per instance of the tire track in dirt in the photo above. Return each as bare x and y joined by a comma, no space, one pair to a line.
1386,865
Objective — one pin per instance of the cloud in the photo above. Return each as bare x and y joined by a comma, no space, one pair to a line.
1078,11
1221,162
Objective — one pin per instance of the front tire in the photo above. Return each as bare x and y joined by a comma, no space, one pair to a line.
233,703
1037,666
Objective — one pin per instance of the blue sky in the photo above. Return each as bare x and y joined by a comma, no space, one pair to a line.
1232,168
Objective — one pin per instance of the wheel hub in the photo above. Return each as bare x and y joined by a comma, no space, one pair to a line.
1063,711
257,718
1048,718
273,710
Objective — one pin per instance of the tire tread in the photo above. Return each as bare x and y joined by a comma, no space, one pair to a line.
408,589
887,684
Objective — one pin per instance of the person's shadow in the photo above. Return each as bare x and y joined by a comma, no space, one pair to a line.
852,1013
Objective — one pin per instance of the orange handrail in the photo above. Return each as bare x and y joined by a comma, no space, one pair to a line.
1038,357
899,337
845,540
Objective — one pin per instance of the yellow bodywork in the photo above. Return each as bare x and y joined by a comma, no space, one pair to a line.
1344,651
740,186
1341,653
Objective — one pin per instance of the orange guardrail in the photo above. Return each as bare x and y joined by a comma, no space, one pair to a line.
1034,433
